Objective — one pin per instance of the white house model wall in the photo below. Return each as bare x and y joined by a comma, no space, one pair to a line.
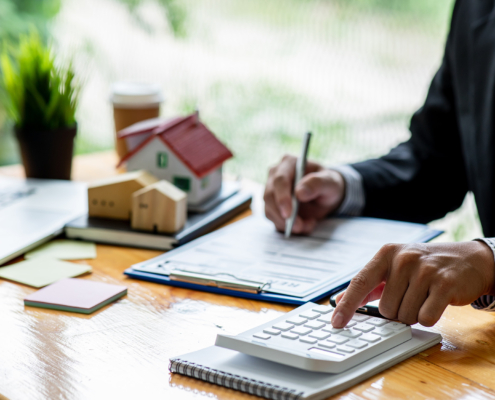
161,162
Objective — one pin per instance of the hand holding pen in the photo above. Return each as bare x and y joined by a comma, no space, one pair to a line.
319,192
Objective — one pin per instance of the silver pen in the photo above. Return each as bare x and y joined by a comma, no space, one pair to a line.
300,168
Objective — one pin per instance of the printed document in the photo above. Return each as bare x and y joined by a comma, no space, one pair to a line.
252,250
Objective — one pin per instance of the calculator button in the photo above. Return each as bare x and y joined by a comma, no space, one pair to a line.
327,319
360,317
296,320
332,330
384,332
351,324
283,326
350,333
337,339
314,325
262,335
326,345
365,328
301,330
396,326
323,309
288,335
309,314
377,321
357,344
346,349
319,335
370,338
271,331
308,340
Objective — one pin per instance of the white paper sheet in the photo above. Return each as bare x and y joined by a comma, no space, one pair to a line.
298,266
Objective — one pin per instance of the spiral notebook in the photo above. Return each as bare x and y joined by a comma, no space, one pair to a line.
270,380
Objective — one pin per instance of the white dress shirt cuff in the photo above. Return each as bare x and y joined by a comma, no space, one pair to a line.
354,200
486,302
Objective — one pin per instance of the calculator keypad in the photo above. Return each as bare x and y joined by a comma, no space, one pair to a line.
283,326
306,338
313,327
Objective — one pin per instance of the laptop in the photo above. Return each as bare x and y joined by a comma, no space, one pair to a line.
32,211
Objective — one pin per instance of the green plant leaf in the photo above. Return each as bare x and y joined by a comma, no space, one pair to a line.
41,96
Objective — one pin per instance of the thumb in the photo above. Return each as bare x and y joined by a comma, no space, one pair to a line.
318,184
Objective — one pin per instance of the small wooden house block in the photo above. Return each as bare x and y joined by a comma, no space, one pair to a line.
112,197
159,207
182,151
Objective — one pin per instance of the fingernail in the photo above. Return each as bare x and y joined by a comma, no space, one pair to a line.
284,211
337,319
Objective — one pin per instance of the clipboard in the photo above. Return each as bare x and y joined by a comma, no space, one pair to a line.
165,269
228,282
270,297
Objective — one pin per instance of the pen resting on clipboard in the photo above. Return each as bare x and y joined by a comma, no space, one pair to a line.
300,169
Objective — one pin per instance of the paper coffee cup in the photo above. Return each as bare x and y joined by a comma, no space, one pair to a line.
133,102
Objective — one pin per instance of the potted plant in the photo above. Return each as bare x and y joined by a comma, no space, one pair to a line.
41,99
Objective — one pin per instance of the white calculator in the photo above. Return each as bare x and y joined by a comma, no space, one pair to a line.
305,338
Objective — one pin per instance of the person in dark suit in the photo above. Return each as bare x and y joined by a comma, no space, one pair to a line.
451,151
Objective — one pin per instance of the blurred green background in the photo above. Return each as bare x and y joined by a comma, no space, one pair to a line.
261,71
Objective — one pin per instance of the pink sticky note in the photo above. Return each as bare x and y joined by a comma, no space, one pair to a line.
78,295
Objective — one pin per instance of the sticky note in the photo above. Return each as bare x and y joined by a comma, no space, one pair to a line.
39,272
76,295
63,249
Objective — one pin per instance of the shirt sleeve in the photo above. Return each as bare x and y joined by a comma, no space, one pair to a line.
354,200
486,302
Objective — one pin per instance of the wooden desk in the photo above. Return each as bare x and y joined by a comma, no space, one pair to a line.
122,351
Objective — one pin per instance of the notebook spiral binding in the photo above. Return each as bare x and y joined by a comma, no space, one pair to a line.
235,382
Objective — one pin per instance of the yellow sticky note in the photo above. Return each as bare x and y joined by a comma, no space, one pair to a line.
39,272
63,249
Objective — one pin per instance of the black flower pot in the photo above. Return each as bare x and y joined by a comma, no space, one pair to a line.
47,154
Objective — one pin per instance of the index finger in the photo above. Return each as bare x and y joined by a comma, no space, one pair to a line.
371,276
283,182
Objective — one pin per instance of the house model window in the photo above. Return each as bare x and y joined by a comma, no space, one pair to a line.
204,183
182,183
162,160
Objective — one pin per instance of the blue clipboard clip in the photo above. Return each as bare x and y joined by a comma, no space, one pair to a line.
220,280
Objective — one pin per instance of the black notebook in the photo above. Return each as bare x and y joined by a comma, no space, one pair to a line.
119,232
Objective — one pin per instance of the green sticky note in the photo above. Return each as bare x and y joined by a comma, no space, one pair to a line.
39,272
63,249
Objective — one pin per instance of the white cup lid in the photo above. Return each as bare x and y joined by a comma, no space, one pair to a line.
134,94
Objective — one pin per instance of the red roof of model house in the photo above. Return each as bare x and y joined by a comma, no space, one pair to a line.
190,140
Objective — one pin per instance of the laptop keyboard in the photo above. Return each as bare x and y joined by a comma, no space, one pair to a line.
11,195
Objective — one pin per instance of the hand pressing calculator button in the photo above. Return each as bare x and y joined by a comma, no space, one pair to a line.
315,345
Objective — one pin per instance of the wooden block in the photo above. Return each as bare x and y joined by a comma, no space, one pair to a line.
112,197
159,207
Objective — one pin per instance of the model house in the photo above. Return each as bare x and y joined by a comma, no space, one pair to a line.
182,151
112,197
160,207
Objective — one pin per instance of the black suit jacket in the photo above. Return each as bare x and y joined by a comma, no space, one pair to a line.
452,146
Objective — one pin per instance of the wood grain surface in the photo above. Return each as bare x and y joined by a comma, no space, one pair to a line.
122,351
